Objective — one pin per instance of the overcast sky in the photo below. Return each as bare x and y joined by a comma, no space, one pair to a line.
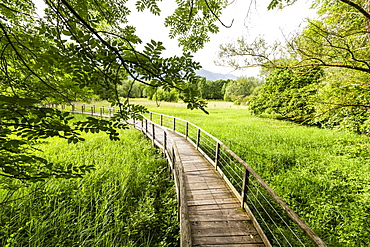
250,20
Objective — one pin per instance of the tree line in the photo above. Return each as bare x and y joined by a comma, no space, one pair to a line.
238,91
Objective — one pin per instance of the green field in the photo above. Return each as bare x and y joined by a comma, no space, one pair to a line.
128,200
324,175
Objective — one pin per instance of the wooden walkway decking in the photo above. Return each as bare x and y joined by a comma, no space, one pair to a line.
216,218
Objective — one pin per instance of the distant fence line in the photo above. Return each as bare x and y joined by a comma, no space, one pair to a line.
281,225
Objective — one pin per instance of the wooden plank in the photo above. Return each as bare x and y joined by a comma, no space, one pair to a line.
215,206
207,202
238,228
202,240
213,191
232,245
216,217
202,185
196,210
205,196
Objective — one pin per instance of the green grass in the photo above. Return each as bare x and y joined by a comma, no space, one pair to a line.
324,175
128,200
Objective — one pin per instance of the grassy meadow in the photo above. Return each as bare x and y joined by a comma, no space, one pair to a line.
324,175
128,200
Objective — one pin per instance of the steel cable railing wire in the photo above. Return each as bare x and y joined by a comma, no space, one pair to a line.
226,164
272,221
261,219
282,220
276,218
223,164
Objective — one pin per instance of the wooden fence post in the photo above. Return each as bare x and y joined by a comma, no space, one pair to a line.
73,107
245,186
217,154
82,108
92,110
161,119
151,116
174,124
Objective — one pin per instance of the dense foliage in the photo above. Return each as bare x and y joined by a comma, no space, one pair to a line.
240,90
128,200
338,42
288,93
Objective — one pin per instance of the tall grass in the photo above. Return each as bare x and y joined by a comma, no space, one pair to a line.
128,200
324,175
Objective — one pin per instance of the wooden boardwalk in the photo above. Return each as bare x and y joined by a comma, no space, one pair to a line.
210,212
215,216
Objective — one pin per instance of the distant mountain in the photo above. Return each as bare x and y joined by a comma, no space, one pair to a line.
215,76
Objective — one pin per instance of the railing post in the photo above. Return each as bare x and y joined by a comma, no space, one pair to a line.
151,116
198,138
82,108
73,107
164,141
161,119
173,158
174,124
92,110
217,154
101,111
245,186
153,134
186,130
146,126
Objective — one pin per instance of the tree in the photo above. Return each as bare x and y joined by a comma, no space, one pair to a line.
212,89
286,94
238,90
80,48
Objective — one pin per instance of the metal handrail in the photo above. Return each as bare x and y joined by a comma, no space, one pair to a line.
248,170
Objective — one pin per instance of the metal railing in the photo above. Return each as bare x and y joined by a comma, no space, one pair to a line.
170,150
279,223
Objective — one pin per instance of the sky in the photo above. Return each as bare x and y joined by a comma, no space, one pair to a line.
250,20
